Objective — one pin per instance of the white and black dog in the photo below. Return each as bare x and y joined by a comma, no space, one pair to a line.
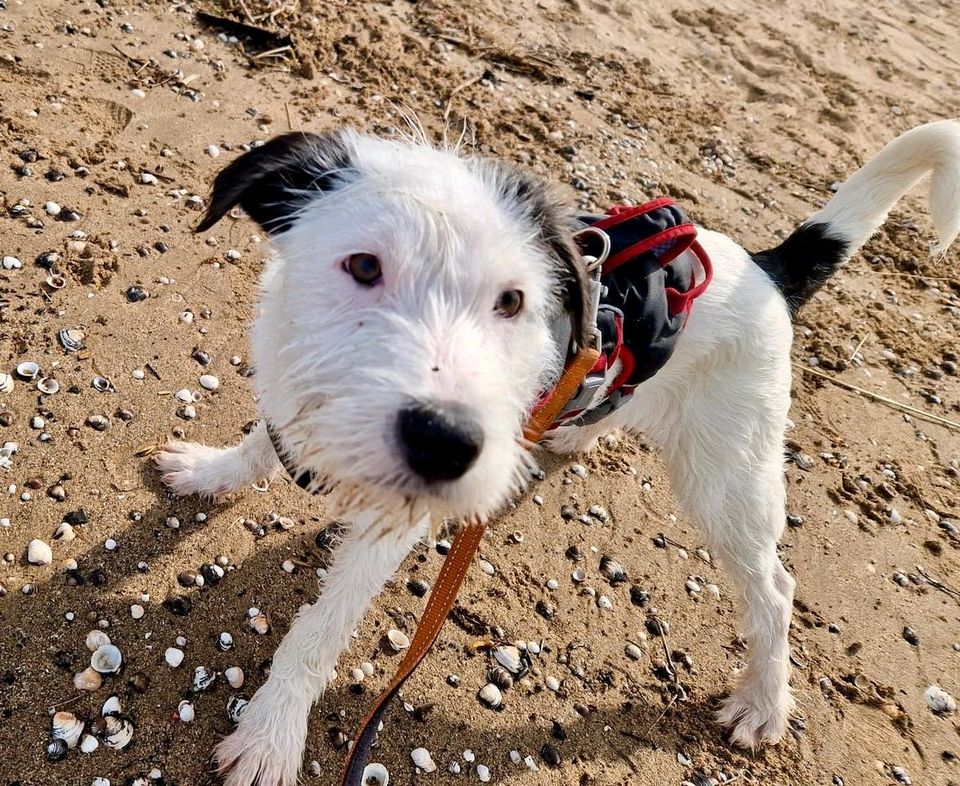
411,308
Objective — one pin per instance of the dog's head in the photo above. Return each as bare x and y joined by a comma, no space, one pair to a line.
410,321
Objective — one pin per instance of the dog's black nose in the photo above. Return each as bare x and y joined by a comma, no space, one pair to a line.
440,439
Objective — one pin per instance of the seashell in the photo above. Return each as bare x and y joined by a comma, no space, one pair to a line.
117,732
55,281
67,727
28,369
64,532
48,385
552,683
490,695
208,382
185,711
106,659
56,750
173,657
375,774
224,641
71,339
6,382
100,782
96,639
87,679
234,676
579,575
612,570
89,743
422,759
111,706
398,640
101,384
39,553
500,677
511,659
633,652
235,707
939,701
203,678
260,623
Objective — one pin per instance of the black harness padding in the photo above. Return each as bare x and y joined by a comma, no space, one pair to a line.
648,286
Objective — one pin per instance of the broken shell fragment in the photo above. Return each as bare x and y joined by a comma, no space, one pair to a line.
88,679
398,640
939,701
56,750
71,338
67,727
106,660
89,743
117,732
203,678
235,707
514,661
423,760
111,706
234,676
375,774
39,553
96,639
259,623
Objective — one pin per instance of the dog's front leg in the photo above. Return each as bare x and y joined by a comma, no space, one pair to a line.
267,747
192,468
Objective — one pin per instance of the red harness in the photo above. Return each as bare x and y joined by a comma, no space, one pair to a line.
643,290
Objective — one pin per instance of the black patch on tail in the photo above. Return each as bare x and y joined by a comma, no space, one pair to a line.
803,262
273,181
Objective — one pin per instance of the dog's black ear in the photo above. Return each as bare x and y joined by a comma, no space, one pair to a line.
273,181
550,213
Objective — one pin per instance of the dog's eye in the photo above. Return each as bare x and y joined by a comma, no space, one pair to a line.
509,303
365,268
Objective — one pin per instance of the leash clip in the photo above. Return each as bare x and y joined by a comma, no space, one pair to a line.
594,266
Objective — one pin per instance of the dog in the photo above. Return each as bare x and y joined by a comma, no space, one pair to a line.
411,308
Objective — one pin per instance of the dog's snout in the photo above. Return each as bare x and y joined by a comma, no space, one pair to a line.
440,439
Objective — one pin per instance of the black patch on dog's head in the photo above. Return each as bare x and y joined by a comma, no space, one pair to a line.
273,181
550,213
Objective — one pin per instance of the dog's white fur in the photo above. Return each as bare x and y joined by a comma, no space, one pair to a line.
350,356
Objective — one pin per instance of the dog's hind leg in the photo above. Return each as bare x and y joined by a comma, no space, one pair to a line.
726,464
267,747
191,468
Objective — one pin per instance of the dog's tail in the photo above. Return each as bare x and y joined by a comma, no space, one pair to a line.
805,260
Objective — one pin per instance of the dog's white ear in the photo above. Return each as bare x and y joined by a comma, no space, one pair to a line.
273,181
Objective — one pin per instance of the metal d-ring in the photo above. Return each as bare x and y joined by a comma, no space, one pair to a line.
595,262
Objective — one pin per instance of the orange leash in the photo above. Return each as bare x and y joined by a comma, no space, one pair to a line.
452,574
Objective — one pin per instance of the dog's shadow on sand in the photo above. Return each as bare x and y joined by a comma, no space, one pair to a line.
149,553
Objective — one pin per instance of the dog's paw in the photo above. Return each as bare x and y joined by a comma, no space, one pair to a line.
754,723
191,468
266,749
